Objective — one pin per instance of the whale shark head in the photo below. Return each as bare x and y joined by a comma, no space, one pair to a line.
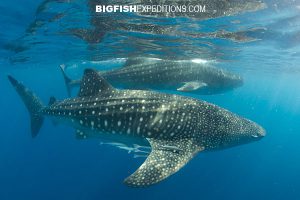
244,131
232,130
234,80
228,80
220,80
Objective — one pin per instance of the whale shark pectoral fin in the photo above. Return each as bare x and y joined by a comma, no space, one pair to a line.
191,86
163,162
93,84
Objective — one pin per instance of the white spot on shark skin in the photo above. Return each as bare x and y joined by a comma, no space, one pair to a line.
93,112
95,103
81,122
119,123
105,123
80,111
141,119
128,131
138,130
92,123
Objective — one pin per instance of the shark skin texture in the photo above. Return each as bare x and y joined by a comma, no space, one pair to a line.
175,127
184,76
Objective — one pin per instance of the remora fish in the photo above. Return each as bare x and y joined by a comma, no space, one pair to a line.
176,127
183,76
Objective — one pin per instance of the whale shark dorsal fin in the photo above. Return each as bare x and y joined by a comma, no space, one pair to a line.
163,162
93,84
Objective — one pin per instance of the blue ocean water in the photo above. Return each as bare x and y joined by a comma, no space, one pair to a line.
34,41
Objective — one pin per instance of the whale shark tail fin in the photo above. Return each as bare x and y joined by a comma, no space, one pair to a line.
68,81
32,103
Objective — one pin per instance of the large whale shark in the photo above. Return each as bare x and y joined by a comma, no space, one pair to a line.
184,76
176,127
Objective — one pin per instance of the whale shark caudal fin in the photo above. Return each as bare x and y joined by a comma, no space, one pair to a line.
52,100
68,81
163,162
93,84
32,103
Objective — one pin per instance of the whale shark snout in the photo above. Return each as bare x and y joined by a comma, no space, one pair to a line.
238,81
233,80
253,131
261,132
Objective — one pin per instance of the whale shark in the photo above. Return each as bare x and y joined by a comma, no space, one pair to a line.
181,76
175,127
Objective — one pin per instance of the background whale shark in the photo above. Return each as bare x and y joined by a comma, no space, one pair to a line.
176,127
183,76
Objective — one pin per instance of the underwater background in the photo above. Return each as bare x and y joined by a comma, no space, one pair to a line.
263,46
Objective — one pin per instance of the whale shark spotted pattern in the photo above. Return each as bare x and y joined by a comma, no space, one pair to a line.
175,127
184,76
